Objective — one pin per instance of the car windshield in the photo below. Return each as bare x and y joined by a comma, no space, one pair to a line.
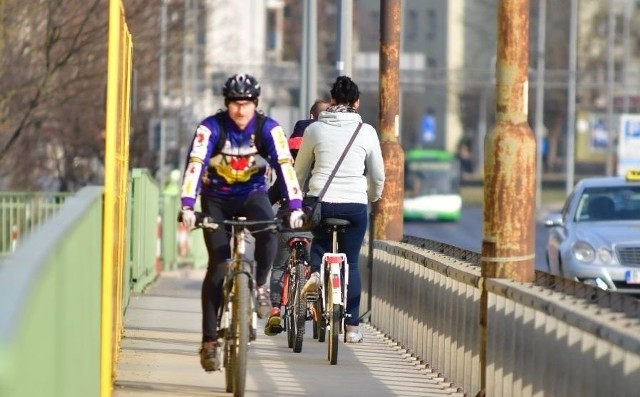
609,203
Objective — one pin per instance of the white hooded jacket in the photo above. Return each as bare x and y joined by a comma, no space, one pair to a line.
360,178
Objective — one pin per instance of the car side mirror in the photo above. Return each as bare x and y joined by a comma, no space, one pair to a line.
553,219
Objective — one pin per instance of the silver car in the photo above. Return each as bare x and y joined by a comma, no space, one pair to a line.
596,237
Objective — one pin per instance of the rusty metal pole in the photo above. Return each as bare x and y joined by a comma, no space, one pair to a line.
508,236
387,220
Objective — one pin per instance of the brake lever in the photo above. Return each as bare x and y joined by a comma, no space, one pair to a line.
207,223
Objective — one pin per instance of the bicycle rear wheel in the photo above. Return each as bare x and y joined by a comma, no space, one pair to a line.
334,326
240,321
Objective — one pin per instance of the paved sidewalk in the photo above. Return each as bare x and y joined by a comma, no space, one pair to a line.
162,333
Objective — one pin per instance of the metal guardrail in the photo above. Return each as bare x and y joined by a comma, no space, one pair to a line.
52,302
551,337
22,212
50,310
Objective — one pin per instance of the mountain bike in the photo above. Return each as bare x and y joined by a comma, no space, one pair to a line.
237,317
330,311
296,306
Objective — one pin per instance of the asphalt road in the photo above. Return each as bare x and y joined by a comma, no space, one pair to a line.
467,233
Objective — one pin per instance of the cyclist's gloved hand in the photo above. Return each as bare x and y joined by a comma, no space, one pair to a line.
188,218
296,219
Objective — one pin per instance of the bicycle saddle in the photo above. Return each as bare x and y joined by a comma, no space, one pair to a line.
336,222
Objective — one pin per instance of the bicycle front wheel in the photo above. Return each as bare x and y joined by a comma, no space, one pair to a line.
289,313
299,306
228,373
240,321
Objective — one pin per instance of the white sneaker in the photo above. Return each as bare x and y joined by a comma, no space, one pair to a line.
313,284
354,336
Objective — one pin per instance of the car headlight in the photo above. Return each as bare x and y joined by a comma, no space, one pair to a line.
605,255
583,252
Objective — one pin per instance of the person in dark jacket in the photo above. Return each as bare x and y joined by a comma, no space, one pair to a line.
274,320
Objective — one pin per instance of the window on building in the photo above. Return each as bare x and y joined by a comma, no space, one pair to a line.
432,26
412,25
272,35
374,25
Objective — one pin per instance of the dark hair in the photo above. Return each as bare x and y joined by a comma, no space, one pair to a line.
317,107
345,91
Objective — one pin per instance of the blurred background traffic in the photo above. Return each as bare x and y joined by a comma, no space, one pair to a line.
584,77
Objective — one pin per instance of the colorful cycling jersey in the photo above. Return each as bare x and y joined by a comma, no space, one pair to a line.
240,166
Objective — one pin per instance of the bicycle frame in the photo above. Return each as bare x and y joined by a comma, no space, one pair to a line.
334,276
240,264
237,264
295,305
333,263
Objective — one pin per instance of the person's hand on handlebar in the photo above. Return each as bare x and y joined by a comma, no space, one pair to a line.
188,218
296,219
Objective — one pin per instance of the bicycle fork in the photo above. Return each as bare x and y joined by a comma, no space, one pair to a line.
226,309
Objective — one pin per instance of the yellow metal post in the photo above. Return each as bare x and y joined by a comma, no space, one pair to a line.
119,52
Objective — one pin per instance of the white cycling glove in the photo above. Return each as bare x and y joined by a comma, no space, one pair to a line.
188,218
296,219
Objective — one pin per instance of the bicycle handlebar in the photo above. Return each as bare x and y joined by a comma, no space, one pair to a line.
207,222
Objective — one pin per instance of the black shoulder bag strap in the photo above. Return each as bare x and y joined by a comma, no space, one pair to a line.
335,169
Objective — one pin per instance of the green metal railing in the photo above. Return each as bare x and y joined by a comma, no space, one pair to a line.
51,288
21,212
50,311
141,264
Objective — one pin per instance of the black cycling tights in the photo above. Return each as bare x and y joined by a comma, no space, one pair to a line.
256,207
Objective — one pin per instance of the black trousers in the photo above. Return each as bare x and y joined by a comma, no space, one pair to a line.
256,207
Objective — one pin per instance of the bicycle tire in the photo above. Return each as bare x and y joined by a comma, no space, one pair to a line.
315,326
290,313
320,322
299,306
334,327
228,373
223,338
343,325
240,325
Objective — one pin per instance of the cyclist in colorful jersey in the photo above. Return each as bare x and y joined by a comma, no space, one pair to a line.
226,166
273,325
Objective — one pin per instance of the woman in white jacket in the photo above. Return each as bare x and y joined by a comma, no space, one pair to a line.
358,181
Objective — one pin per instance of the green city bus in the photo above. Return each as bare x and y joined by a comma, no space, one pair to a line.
431,185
